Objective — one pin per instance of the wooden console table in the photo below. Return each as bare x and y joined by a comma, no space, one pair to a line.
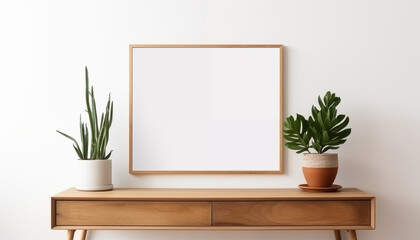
213,209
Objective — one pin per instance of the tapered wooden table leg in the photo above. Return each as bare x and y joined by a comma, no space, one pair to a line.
70,234
83,235
337,234
352,234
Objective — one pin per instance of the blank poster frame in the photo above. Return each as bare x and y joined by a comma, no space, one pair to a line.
138,88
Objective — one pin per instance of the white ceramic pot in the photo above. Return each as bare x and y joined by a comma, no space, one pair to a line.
94,175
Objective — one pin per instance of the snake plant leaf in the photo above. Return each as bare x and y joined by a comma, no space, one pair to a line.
94,114
98,139
109,155
87,99
69,137
82,139
86,142
111,112
94,151
79,153
102,121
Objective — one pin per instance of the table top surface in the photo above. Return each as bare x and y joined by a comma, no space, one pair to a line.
195,194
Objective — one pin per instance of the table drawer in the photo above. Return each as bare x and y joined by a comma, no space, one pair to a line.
132,213
292,213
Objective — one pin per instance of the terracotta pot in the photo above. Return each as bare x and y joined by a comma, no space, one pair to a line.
94,175
320,170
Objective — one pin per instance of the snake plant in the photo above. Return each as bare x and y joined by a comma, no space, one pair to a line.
95,147
322,131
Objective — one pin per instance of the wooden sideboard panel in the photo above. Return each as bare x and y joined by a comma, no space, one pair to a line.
292,213
213,209
132,213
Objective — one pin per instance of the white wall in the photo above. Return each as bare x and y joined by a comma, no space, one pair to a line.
365,51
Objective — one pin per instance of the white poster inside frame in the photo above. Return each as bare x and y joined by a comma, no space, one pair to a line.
205,109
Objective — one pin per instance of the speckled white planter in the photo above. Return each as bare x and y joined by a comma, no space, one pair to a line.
316,160
94,175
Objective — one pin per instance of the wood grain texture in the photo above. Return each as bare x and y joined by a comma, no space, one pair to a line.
205,45
175,172
281,112
83,234
70,234
130,107
291,213
352,235
212,194
126,213
337,234
211,228
191,209
373,213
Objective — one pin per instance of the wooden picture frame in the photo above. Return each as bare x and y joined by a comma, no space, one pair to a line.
205,109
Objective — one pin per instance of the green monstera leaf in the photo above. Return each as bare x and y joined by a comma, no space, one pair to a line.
296,133
323,131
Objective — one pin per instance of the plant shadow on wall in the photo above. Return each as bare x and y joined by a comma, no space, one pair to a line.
323,131
95,167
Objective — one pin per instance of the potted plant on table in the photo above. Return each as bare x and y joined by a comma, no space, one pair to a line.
94,165
323,131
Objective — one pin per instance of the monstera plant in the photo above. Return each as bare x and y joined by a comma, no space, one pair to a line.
324,130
